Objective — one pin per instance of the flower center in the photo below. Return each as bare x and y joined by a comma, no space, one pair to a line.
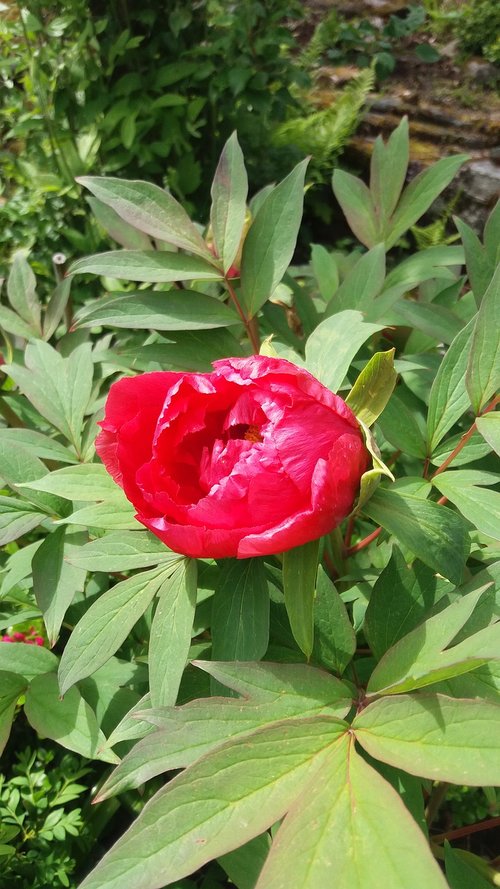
244,432
253,434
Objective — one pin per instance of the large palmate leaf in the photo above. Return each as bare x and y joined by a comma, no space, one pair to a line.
149,209
271,692
271,238
427,655
434,533
349,829
250,781
435,737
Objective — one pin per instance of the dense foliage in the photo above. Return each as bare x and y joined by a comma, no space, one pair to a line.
318,701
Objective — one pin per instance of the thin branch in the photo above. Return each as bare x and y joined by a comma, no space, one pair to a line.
352,550
459,832
250,323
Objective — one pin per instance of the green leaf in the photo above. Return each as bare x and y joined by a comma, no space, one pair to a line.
85,481
435,321
176,832
106,625
325,271
401,598
124,551
175,310
149,209
479,269
462,872
55,581
56,307
427,655
116,514
170,637
240,612
243,865
333,345
334,636
12,686
229,197
388,168
473,450
434,533
21,291
68,720
155,266
17,517
12,323
373,388
272,692
271,238
362,283
432,263
121,232
400,427
349,825
480,507
38,444
19,465
420,194
26,660
300,567
434,736
59,388
483,370
449,398
489,427
357,206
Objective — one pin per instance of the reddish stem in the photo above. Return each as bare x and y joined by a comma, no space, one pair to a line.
459,832
465,438
250,323
352,550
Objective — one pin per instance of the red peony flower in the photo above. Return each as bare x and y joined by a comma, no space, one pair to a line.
252,459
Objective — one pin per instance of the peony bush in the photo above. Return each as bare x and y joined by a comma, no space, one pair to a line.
256,506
